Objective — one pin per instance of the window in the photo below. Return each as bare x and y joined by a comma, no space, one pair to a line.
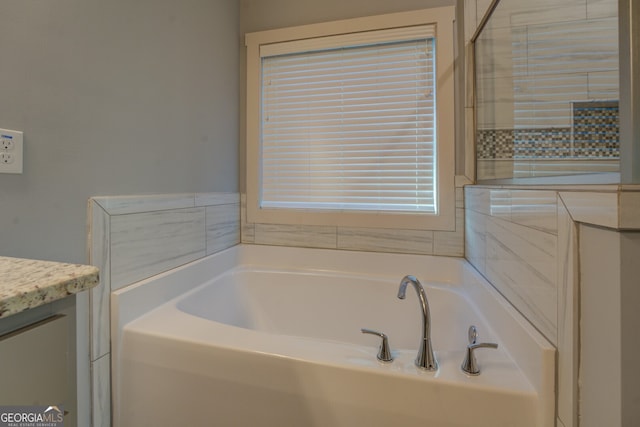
353,127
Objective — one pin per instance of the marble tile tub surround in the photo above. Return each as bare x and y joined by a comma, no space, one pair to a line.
28,283
525,242
423,242
512,237
132,238
512,241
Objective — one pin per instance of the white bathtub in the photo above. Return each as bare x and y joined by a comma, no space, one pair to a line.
270,336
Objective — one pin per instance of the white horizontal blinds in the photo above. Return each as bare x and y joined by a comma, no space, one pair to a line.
351,128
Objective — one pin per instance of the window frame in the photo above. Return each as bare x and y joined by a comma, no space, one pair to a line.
442,18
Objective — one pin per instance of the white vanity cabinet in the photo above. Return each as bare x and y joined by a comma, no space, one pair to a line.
44,353
34,364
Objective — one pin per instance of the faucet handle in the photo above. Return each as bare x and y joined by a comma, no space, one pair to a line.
384,354
473,334
470,365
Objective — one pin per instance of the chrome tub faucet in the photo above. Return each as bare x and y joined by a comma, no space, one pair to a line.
426,359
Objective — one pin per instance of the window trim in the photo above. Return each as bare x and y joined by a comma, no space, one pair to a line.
443,19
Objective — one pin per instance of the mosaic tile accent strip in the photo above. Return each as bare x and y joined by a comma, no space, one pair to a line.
595,134
524,143
546,143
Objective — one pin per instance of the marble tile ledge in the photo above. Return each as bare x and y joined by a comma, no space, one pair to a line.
619,209
613,206
27,283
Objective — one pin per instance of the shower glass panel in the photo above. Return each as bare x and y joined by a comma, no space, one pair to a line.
547,89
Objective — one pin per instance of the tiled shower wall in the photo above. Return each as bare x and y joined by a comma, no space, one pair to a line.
135,237
540,66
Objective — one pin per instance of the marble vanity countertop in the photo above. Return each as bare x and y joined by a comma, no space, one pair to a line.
28,283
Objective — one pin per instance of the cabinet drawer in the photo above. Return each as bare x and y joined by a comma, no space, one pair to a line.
34,364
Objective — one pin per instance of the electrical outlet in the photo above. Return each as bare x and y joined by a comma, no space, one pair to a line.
6,158
11,150
7,144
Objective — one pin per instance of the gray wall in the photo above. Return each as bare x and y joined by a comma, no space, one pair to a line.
114,97
259,15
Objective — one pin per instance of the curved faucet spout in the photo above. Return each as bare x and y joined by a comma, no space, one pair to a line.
426,358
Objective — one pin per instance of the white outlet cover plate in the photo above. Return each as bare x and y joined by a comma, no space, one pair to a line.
11,150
